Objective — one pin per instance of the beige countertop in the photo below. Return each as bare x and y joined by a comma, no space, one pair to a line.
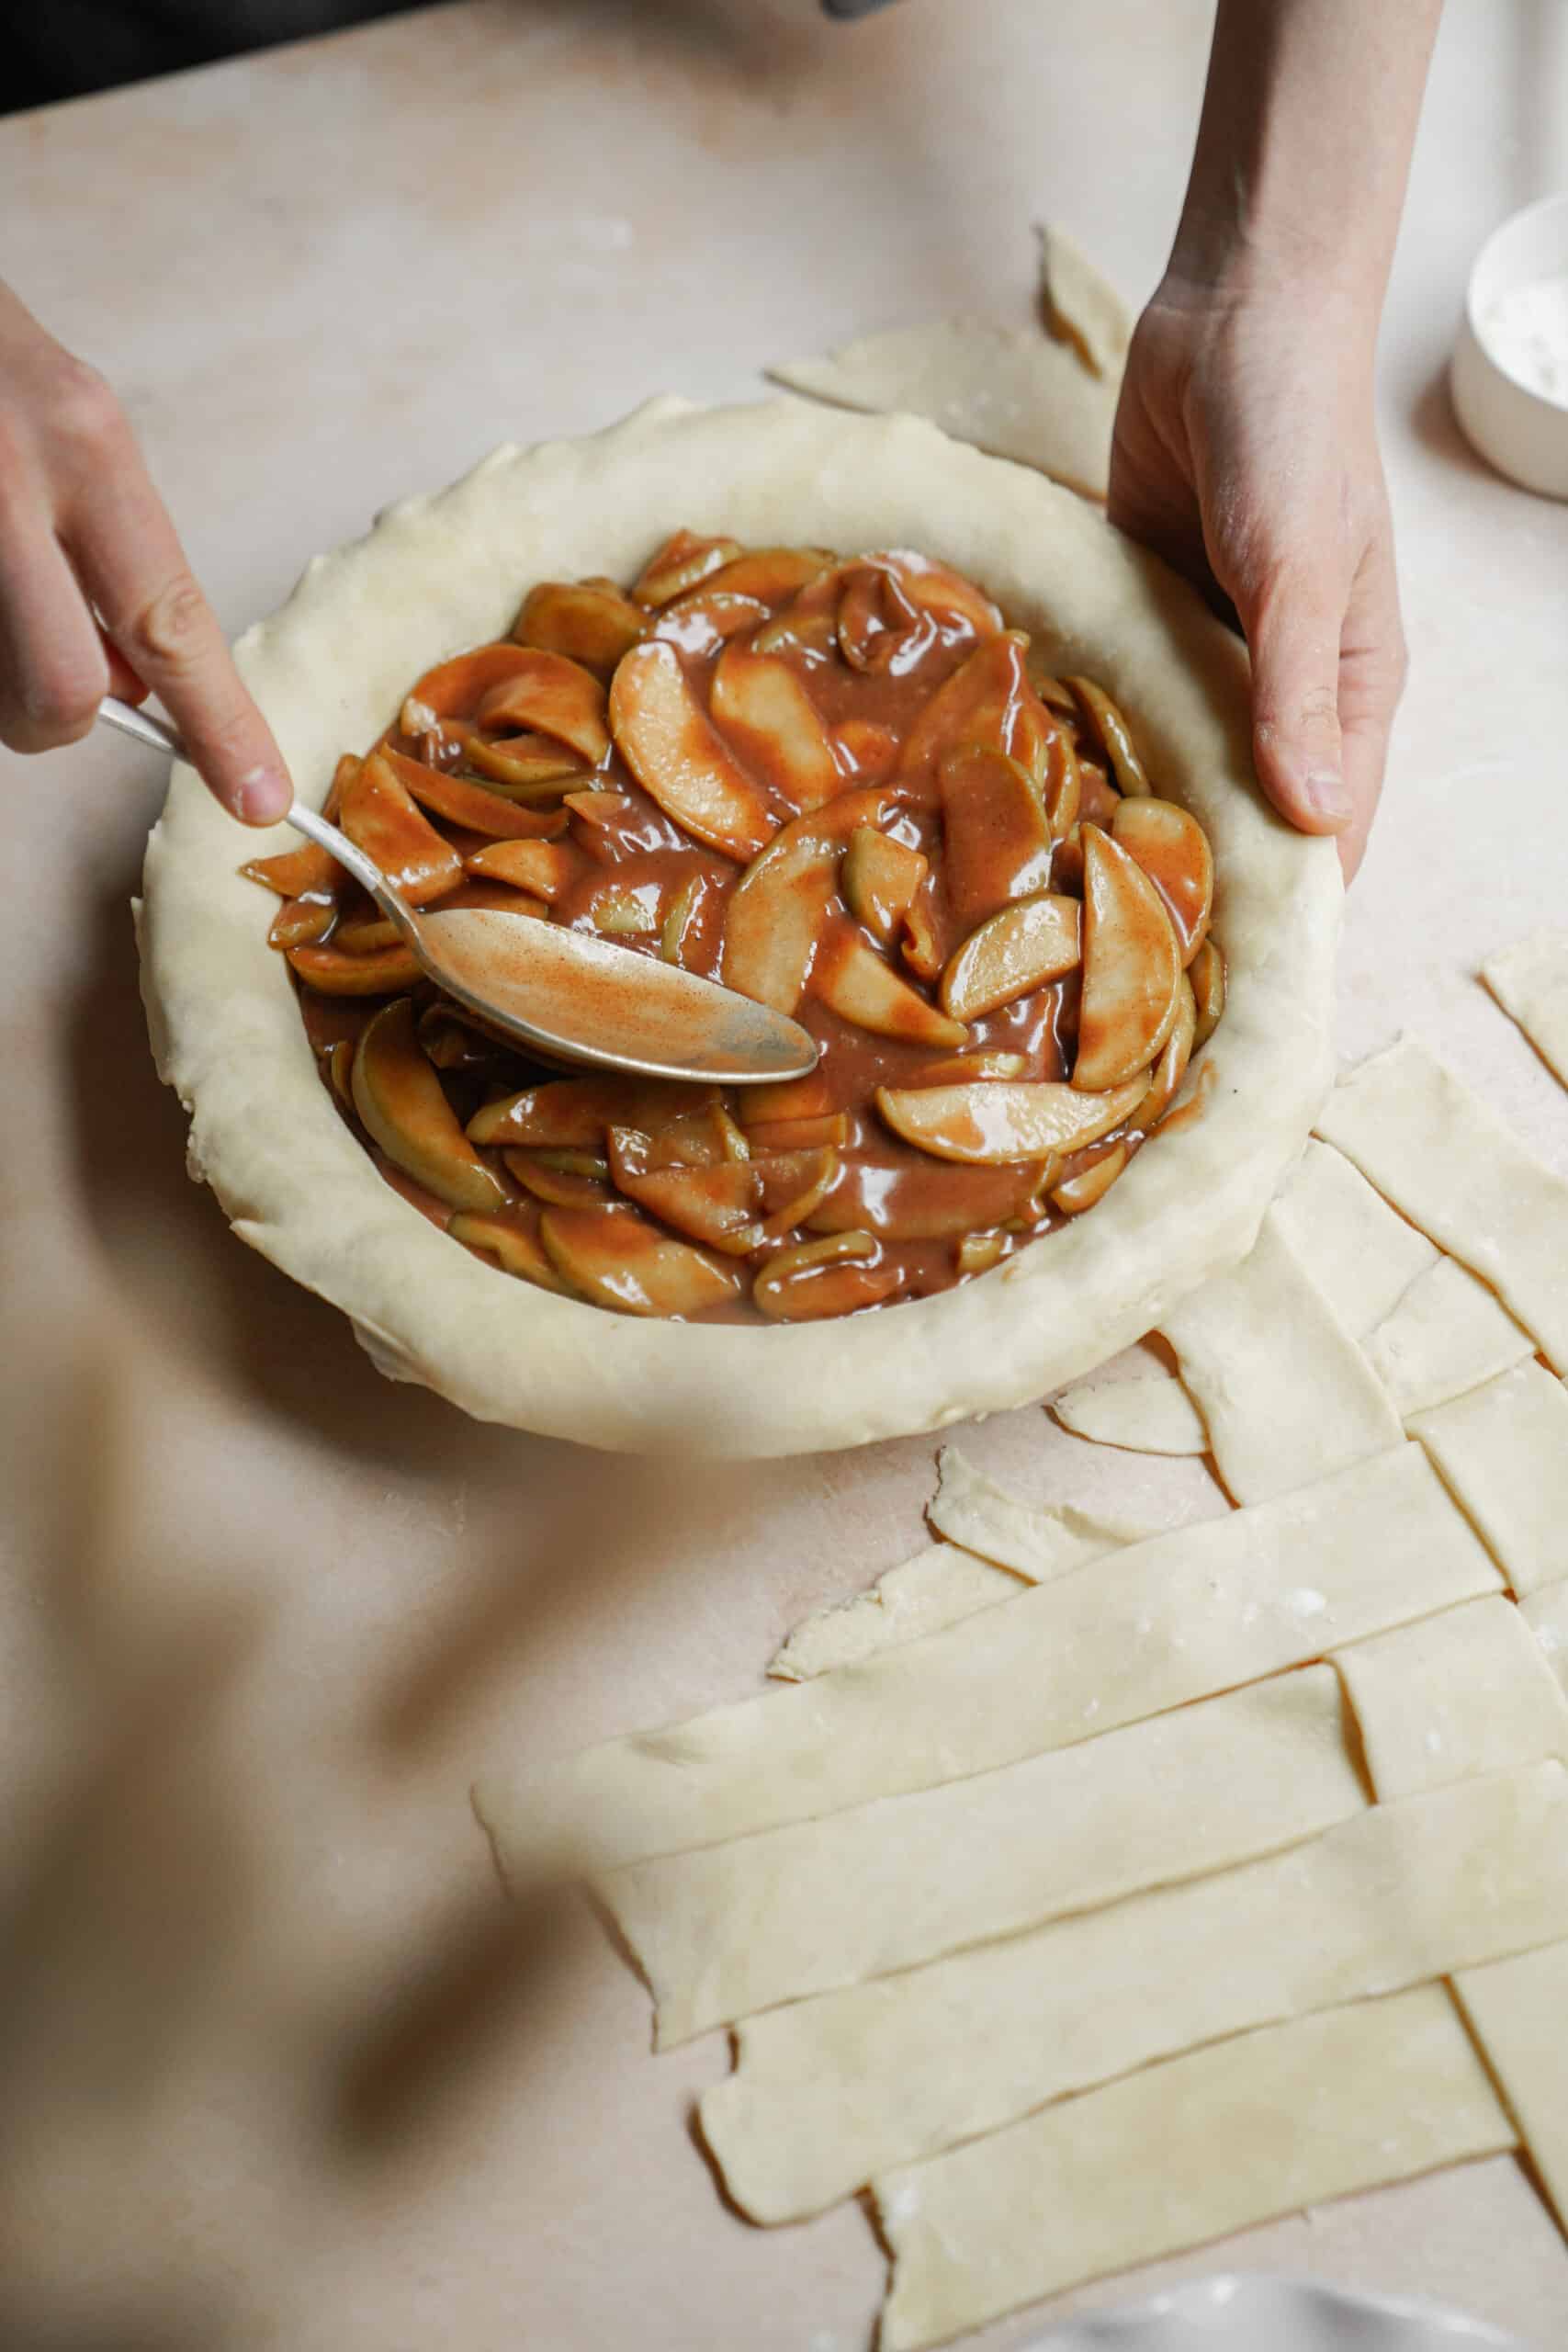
279,2071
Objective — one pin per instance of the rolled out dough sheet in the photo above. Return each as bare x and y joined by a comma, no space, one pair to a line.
1201,1610
935,1589
1183,2152
1530,981
1035,1540
1013,391
1518,2011
1433,1148
1546,1614
1447,1334
1151,1414
1467,1692
1504,1450
1287,1396
735,1928
1362,1255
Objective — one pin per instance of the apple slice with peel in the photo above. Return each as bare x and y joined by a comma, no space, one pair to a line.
1132,968
768,575
762,707
300,921
470,804
681,563
402,1107
618,1258
865,750
703,623
1021,948
573,1114
677,756
929,1201
587,621
799,1135
879,879
527,767
986,1125
377,813
551,696
1091,1183
1111,732
810,1097
775,916
1171,1067
365,934
332,973
304,873
565,1180
1207,974
455,689
977,706
825,1277
1173,849
512,1245
968,1068
543,868
730,1206
997,843
851,978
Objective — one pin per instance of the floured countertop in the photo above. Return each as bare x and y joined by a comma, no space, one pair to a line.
279,2068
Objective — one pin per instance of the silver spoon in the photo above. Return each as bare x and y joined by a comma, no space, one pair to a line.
564,993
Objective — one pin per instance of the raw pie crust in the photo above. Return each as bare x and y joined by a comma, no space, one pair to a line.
438,574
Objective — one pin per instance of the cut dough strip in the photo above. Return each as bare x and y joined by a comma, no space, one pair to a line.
1447,1334
1546,1614
923,1594
1530,981
1517,2009
1187,2151
732,1929
1433,1148
1080,307
1286,1394
1504,1451
1187,1614
1153,1414
828,2092
1361,1254
1452,1696
1039,1541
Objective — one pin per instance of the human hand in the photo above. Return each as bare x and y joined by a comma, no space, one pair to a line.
1245,455
96,594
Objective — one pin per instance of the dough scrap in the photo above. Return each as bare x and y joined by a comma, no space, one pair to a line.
1546,1614
1447,1334
1362,1255
1434,1149
1198,1610
1379,2092
1467,1692
1287,1395
1503,1449
1152,1414
1530,981
922,1595
730,1930
1080,307
1039,1541
830,2092
1517,2009
1012,391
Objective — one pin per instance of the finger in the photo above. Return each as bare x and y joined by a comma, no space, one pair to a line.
53,673
123,680
1293,627
1372,680
128,553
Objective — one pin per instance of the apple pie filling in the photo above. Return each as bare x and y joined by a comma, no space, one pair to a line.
842,786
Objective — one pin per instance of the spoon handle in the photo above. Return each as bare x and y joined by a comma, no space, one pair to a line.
157,732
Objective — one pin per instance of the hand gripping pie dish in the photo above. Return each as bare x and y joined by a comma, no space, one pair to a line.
894,737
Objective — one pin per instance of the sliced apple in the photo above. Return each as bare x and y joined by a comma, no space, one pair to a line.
1045,750
703,623
1171,1067
452,1041
923,949
544,869
937,589
1054,693
775,916
332,973
969,1069
800,1135
401,1106
589,621
338,1063
1173,849
378,814
514,1248
1014,952
1091,1183
1113,735
306,872
876,618
298,921
679,758
979,1252
621,911
455,689
978,706
365,934
851,978
767,574
618,1258
879,879
985,1126
573,1114
529,766
679,564
470,805
928,1200
1207,974
810,1097
551,696
1132,968
997,843
585,1184
817,1279
865,750
1067,862
715,1205
761,706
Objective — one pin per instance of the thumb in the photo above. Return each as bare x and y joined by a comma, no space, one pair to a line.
1293,632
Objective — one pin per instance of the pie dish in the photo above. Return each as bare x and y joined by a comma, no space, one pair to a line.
441,574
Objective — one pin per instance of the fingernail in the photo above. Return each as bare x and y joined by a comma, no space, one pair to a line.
1326,793
262,797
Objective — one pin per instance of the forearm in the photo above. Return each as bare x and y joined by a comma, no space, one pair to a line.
1303,148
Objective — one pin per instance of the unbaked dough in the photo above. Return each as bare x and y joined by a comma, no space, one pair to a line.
440,574
1434,1149
1462,1693
732,1929
939,1586
1447,1334
1530,981
1285,1393
1517,2008
1039,1541
1504,1450
1201,1610
1080,307
830,2092
1150,1414
1362,1255
1546,1614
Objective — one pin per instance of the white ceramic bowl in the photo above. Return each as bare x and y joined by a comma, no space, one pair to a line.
1245,2312
1520,432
